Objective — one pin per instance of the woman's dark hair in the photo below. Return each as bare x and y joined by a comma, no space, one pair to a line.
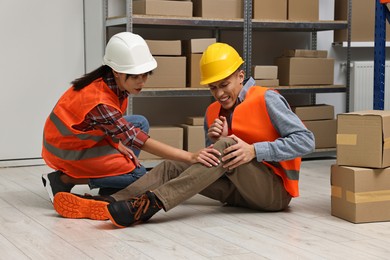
88,78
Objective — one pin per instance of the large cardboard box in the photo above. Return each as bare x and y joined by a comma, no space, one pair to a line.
324,132
171,135
225,9
170,73
165,47
194,137
360,194
264,72
305,71
270,9
158,7
363,139
362,21
303,10
193,70
314,112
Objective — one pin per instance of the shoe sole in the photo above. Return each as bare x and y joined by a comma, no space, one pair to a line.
46,184
69,205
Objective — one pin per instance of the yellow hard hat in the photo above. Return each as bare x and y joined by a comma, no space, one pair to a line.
218,61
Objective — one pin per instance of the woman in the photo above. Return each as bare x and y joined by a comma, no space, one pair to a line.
88,140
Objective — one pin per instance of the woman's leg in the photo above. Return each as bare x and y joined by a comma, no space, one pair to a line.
139,122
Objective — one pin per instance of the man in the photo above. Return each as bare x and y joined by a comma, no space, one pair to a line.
260,141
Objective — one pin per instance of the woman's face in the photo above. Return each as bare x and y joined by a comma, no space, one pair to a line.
226,91
133,84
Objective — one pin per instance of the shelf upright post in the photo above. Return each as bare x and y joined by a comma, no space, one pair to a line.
381,12
247,44
348,68
129,28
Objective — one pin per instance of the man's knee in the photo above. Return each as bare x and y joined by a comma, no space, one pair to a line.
223,143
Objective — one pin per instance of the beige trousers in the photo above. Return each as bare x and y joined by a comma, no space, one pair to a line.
252,185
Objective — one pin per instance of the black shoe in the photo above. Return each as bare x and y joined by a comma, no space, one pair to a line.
53,184
139,209
108,191
71,205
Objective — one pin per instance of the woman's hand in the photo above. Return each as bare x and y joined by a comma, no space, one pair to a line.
218,129
128,153
207,156
238,154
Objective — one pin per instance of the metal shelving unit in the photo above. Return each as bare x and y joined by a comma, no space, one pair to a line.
247,25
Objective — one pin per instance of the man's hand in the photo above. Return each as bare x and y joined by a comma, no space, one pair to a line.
238,154
218,129
128,153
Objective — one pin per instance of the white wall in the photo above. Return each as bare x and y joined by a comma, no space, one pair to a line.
41,50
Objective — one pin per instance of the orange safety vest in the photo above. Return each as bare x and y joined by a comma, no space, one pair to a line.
251,123
90,154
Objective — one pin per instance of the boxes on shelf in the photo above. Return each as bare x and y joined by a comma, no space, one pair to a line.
171,135
267,82
305,71
363,139
170,73
194,137
314,112
362,21
194,49
270,9
303,10
320,120
305,53
264,72
360,194
158,7
165,47
195,120
225,9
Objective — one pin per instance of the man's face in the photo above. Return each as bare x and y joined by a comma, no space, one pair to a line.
226,90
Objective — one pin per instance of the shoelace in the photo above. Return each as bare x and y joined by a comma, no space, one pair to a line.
142,203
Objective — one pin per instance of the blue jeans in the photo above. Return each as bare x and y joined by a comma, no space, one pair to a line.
124,180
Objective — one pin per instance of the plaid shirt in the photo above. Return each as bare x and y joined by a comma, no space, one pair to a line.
111,121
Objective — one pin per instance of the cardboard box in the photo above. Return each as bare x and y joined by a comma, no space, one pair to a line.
171,135
360,194
225,9
314,112
267,82
363,139
306,53
270,9
197,45
264,72
324,132
164,76
158,7
305,71
303,10
195,120
163,47
193,70
194,137
362,21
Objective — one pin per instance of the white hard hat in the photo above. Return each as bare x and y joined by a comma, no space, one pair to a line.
128,53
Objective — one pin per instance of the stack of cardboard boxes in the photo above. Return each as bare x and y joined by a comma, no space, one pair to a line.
265,76
305,67
171,66
166,7
361,178
194,136
321,121
294,10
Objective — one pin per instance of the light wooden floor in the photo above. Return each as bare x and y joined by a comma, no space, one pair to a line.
198,229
